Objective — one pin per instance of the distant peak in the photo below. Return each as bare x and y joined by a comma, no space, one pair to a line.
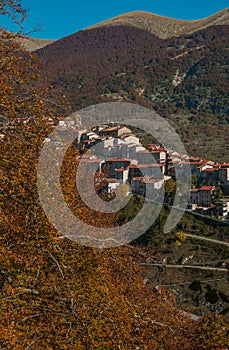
165,27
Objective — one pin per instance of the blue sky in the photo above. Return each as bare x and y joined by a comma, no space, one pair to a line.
61,18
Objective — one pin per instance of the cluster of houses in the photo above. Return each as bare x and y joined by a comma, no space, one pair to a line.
119,156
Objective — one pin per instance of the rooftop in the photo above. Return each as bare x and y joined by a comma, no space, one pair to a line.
142,166
118,160
146,179
203,188
206,188
112,128
209,170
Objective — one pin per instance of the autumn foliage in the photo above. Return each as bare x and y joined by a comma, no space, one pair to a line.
14,10
54,293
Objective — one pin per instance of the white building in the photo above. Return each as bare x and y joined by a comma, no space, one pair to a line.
222,208
146,186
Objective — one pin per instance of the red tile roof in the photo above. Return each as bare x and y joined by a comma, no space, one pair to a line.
209,170
202,165
114,181
120,169
206,188
224,165
118,160
203,188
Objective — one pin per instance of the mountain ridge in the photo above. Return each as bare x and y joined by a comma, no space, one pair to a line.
27,43
161,26
165,27
33,44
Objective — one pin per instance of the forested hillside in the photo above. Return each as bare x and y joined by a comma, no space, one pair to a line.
182,78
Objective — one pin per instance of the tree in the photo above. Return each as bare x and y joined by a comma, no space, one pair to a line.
54,293
14,10
194,180
170,189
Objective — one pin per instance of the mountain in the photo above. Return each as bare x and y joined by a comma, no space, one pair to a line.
161,26
33,44
183,78
29,44
165,27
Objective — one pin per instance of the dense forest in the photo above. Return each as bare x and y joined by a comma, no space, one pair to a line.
182,78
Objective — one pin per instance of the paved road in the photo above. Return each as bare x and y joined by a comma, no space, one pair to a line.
207,239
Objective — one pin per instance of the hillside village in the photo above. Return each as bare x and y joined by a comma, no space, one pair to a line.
119,157
114,236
